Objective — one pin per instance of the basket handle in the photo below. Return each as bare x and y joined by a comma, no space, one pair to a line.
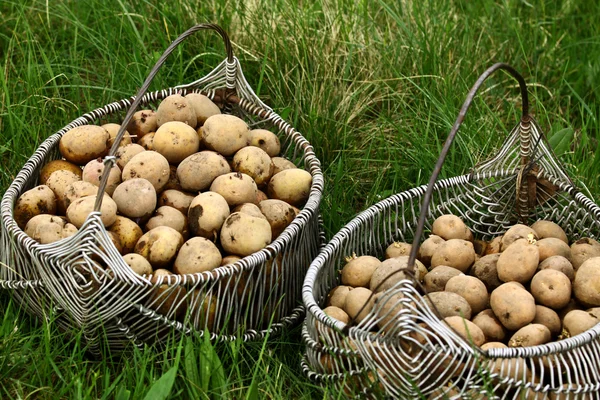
525,121
109,161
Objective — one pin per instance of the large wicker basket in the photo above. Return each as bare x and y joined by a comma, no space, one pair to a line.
522,183
84,284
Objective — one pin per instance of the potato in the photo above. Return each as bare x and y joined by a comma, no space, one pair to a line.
398,249
197,255
142,123
513,306
578,321
206,215
595,312
582,250
466,329
177,199
176,141
112,130
148,165
79,210
281,164
128,233
530,335
198,171
236,188
135,198
173,182
359,303
203,107
176,108
551,288
549,247
169,216
45,228
493,246
225,134
250,209
573,305
138,264
159,246
451,227
254,162
279,214
449,304
266,140
337,313
549,318
147,142
455,253
471,289
59,182
77,190
39,200
586,285
261,196
337,296
358,271
243,234
388,307
125,153
391,271
558,263
518,262
84,143
428,248
168,299
291,186
548,229
480,247
516,232
436,279
92,173
485,269
506,368
490,326
58,165
114,238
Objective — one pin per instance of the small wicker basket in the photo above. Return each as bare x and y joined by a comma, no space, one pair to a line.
522,183
84,283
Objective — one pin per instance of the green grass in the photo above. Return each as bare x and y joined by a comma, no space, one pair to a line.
374,85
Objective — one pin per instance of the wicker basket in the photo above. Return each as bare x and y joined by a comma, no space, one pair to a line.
522,183
84,283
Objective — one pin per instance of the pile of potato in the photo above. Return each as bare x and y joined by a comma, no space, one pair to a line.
524,288
192,189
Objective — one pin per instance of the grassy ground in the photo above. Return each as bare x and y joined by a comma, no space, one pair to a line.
374,85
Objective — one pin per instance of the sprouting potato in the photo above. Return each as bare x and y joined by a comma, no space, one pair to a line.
397,249
515,233
530,335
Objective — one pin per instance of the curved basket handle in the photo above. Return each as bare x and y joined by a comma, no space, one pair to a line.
525,121
109,161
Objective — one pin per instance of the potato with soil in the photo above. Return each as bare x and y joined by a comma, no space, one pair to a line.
388,307
197,255
59,182
58,165
451,227
358,271
337,296
265,140
493,246
149,165
230,260
168,299
436,279
485,269
147,142
359,303
176,108
291,186
471,289
84,143
549,318
582,250
279,214
45,228
455,253
337,313
173,182
551,288
548,229
518,262
281,164
549,247
169,216
398,249
142,123
243,234
255,163
92,173
250,209
490,326
128,233
175,141
449,304
513,306
558,263
392,271
77,190
530,335
135,198
39,200
428,248
206,215
516,232
125,154
198,171
112,130
225,134
159,246
236,188
466,329
578,321
586,285
79,210
138,264
177,199
203,107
